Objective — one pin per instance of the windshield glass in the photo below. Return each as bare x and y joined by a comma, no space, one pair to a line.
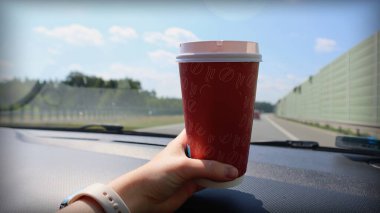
66,64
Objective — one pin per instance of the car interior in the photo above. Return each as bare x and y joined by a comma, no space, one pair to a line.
40,167
92,90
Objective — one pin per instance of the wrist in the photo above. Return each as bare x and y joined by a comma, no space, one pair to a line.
96,197
130,187
90,204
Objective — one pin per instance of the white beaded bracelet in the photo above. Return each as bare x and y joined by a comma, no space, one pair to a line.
107,198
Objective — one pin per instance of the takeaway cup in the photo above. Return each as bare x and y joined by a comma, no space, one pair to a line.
218,83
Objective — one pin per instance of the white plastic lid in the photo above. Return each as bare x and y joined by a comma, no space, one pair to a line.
219,51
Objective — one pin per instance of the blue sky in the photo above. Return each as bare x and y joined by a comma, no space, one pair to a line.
42,40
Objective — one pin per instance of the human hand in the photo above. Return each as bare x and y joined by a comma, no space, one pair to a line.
167,181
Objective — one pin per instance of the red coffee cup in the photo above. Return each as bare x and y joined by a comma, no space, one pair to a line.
218,83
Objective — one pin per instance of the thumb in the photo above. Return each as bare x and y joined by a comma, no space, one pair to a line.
210,169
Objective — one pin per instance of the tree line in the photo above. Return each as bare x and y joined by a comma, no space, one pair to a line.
78,79
81,91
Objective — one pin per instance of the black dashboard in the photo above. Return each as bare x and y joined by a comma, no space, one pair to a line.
39,168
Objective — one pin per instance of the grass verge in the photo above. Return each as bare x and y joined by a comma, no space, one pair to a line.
129,123
328,127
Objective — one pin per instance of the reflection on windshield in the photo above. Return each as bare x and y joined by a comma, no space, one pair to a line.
68,68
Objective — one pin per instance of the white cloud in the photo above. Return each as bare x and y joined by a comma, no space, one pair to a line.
162,57
151,79
241,10
5,64
276,79
273,87
171,36
73,34
294,79
324,45
53,51
50,62
121,34
6,76
75,67
5,70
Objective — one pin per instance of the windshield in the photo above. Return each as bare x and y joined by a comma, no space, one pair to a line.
66,64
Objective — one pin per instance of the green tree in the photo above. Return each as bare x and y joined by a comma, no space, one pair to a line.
136,85
76,79
264,106
112,84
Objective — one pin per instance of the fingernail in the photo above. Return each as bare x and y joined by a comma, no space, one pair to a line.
231,172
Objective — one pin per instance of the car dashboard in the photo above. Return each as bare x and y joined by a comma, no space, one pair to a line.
39,168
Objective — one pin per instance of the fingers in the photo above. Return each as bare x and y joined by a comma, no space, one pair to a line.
180,140
209,169
179,197
195,168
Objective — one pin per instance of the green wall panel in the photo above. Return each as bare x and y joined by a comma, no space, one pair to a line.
346,90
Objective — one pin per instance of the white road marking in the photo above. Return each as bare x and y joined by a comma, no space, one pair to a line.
288,134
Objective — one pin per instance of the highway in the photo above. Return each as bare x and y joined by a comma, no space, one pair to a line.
270,128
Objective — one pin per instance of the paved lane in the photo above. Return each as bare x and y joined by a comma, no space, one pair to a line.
269,128
305,132
262,130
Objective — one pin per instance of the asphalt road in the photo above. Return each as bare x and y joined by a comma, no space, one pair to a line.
270,128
